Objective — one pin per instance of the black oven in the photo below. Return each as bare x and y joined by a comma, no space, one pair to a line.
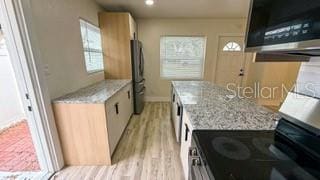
197,166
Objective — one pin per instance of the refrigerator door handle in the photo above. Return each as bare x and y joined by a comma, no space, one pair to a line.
141,82
141,64
143,91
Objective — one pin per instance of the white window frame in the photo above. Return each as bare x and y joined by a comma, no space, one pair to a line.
203,64
16,17
96,28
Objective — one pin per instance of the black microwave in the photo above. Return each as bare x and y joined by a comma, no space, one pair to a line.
283,25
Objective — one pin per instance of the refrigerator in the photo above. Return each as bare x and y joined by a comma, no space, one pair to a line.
137,75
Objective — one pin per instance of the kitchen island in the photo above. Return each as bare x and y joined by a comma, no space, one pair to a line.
210,106
200,105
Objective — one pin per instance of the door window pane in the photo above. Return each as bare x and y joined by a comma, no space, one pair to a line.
232,46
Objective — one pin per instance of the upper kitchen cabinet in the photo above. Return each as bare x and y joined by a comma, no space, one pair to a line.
117,30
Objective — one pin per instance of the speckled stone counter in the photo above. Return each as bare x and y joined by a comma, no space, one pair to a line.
210,106
96,94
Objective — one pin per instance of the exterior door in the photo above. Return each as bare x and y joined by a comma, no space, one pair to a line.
230,68
31,86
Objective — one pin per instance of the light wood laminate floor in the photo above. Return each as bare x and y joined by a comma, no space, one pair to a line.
146,151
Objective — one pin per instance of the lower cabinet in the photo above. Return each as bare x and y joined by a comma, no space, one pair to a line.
186,131
173,105
176,115
89,133
119,110
186,135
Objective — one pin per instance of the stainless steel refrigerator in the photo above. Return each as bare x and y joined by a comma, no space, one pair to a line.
137,75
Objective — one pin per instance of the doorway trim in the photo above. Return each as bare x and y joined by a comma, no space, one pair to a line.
31,82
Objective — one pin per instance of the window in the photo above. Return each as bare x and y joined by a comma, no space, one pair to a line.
182,57
232,46
91,40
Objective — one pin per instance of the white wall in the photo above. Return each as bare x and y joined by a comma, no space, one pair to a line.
56,31
11,110
150,30
308,81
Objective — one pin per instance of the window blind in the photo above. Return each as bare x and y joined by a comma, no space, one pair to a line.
182,57
91,40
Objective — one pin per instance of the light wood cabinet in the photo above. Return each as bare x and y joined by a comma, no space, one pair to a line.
133,28
117,30
82,131
89,133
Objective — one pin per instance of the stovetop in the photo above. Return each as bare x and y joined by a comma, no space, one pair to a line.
256,155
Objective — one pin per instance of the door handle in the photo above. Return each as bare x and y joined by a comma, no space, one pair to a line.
173,97
129,95
117,108
241,72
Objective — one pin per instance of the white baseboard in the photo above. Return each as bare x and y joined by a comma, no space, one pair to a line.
157,99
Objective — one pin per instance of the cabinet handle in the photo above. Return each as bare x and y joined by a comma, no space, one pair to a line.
187,132
117,108
173,97
178,110
129,95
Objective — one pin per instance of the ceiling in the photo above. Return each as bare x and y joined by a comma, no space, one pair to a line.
180,8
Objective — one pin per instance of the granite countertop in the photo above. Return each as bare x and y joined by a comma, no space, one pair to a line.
213,107
97,93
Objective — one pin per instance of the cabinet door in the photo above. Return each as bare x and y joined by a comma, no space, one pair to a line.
173,106
117,50
186,135
119,111
114,124
128,99
126,107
